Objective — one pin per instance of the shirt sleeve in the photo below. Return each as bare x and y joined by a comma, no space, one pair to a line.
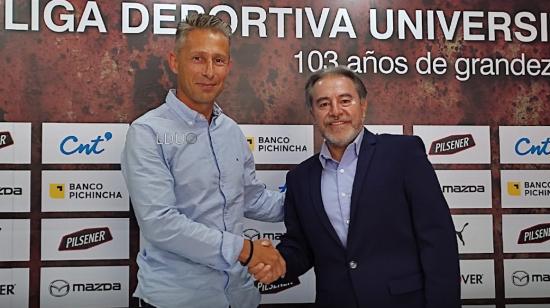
151,187
260,203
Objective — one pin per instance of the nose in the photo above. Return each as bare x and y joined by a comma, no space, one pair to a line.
335,109
209,69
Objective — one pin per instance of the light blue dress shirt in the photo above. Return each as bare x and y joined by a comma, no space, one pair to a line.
337,185
191,183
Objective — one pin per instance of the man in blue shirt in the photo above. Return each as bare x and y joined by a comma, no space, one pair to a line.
367,212
191,179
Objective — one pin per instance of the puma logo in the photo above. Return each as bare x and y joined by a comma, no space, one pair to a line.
459,234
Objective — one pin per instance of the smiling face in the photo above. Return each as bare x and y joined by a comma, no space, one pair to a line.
201,64
337,109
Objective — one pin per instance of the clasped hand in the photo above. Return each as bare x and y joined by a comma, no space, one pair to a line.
267,264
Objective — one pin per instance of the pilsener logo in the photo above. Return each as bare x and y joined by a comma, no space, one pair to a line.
251,143
514,188
71,145
57,191
278,286
535,234
86,238
452,144
5,139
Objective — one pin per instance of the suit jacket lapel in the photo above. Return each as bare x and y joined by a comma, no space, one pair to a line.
315,190
366,152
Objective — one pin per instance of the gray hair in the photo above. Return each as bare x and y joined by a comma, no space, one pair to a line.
331,71
200,21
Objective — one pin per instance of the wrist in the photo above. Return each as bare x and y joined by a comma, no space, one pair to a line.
246,253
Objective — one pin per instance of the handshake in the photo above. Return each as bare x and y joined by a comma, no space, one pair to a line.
264,262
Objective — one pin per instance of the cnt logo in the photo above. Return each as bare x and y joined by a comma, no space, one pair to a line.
535,234
524,147
71,145
85,238
253,234
452,144
60,287
5,139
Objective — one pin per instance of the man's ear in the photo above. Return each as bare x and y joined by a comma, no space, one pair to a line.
173,61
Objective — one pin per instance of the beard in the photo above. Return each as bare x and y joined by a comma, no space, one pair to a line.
342,139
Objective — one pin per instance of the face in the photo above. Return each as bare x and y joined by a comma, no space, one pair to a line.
337,110
202,64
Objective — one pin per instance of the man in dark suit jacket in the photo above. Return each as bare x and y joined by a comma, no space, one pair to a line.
367,212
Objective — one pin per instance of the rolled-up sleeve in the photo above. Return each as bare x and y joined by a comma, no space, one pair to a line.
151,187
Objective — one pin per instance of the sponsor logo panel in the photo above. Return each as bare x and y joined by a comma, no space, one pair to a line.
525,188
524,144
69,191
84,287
279,144
301,290
14,239
14,287
455,144
385,129
85,238
82,143
15,143
474,233
15,187
466,188
525,278
477,279
526,233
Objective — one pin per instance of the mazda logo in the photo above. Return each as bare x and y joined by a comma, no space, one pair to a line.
520,278
252,234
59,288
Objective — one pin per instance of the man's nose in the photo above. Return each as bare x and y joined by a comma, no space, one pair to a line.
209,69
335,108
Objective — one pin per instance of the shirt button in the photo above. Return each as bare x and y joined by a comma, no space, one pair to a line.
190,122
352,264
341,170
343,194
347,221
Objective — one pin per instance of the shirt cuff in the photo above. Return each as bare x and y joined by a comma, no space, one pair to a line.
232,246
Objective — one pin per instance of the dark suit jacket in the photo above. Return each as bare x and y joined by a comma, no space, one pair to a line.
401,245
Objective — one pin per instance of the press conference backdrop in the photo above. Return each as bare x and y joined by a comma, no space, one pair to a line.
470,78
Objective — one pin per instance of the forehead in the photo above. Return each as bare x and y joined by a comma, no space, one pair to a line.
334,85
206,40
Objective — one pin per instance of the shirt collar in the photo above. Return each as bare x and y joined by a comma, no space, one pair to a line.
189,115
325,156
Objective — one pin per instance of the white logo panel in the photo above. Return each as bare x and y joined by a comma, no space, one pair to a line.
385,129
82,143
304,292
279,144
69,287
15,239
466,188
526,233
455,144
525,188
526,278
15,191
15,143
14,287
85,238
524,144
70,191
477,279
474,233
